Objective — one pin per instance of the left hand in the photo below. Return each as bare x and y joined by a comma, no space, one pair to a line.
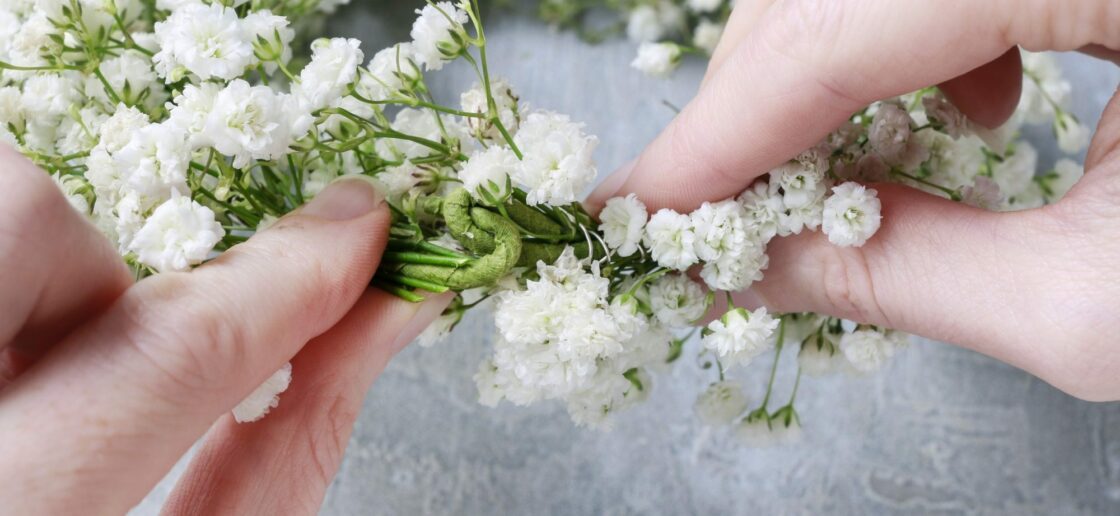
105,384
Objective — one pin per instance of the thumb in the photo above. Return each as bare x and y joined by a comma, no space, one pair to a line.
176,351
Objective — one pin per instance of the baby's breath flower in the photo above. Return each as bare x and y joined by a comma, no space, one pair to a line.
489,171
334,65
866,350
851,215
677,301
557,165
206,40
623,219
740,336
179,233
671,240
265,397
721,403
438,34
657,59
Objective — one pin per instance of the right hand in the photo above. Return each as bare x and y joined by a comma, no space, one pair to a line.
1038,289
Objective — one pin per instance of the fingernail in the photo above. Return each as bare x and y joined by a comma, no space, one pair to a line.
428,311
611,185
348,197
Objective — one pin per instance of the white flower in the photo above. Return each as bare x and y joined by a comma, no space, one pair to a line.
707,35
437,34
387,73
982,193
1016,172
206,40
670,240
890,132
1043,88
623,219
117,131
489,171
49,96
677,301
1066,173
276,34
657,59
154,163
800,185
756,432
557,165
414,122
132,78
72,187
704,6
254,123
334,65
179,233
398,180
266,397
736,270
1072,135
11,106
474,101
439,329
946,115
740,336
644,24
192,108
721,403
866,350
818,360
719,229
851,215
79,131
610,392
763,210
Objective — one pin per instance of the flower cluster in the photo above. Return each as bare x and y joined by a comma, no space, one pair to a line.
664,30
182,127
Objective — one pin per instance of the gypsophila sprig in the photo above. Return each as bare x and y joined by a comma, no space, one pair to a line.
181,128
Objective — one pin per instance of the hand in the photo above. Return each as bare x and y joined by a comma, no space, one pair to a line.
106,383
1039,289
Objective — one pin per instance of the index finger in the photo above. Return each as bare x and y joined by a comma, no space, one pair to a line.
805,68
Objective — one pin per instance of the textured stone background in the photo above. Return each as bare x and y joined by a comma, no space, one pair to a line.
942,431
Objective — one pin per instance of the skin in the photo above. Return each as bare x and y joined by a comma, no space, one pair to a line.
105,383
1037,289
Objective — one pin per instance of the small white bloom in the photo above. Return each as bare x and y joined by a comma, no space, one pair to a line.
756,432
204,39
179,233
707,35
437,34
677,301
763,208
670,239
489,170
799,185
644,24
890,132
866,350
474,101
270,35
719,229
49,96
819,360
740,336
704,6
657,59
398,180
1073,136
1066,174
334,65
388,73
253,123
191,109
132,78
623,219
264,398
982,193
736,270
851,215
154,163
117,131
439,329
946,115
1015,173
73,187
557,165
721,403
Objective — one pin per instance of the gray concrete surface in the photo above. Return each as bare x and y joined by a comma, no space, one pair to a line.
942,431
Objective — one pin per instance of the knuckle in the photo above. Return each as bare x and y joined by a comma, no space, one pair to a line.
328,435
184,333
848,287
